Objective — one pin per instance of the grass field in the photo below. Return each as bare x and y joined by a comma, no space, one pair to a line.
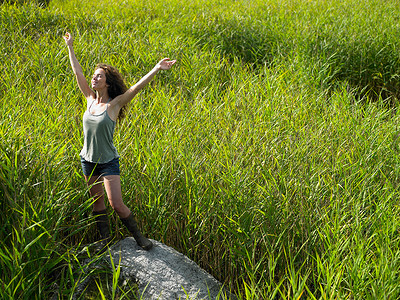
269,155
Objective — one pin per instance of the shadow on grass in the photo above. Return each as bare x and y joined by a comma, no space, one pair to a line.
250,42
367,63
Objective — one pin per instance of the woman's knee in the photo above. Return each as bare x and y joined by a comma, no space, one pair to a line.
117,204
119,207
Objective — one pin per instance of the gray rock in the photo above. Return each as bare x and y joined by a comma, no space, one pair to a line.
164,273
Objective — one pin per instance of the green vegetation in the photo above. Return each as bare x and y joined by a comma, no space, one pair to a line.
269,155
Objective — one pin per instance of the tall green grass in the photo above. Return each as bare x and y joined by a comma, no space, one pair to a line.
268,155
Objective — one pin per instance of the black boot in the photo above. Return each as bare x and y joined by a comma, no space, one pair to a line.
103,227
130,223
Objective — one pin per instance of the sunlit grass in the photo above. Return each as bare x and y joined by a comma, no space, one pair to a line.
269,155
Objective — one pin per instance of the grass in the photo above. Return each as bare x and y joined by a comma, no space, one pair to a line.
269,155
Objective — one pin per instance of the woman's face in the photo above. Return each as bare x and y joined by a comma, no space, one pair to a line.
99,79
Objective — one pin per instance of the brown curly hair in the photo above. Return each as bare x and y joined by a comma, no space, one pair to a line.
116,85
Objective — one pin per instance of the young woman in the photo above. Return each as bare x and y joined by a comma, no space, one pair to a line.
106,102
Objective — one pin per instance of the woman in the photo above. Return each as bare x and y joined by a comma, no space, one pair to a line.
106,103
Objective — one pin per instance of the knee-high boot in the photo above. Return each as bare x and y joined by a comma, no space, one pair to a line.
103,227
131,224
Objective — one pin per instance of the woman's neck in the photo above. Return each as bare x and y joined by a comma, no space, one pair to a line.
102,96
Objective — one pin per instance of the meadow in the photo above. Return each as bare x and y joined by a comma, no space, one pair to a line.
269,155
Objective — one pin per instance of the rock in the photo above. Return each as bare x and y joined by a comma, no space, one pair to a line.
164,273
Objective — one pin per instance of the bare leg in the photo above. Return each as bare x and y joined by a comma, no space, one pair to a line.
95,184
96,191
112,184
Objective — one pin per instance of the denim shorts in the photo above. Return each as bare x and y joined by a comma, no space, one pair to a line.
96,169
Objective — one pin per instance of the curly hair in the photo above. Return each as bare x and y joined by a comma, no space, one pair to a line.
116,84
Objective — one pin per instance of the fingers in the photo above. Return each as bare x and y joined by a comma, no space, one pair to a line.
68,39
167,62
171,63
67,36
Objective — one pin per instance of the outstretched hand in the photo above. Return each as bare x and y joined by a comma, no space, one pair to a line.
166,64
68,39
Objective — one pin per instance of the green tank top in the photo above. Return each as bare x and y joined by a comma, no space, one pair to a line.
98,130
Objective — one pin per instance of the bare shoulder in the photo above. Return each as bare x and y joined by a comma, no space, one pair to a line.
90,99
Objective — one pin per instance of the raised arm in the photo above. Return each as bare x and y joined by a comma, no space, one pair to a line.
77,69
164,64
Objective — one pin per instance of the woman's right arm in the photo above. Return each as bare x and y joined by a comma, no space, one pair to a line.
76,67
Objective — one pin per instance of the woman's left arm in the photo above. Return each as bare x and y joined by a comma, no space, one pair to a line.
121,100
